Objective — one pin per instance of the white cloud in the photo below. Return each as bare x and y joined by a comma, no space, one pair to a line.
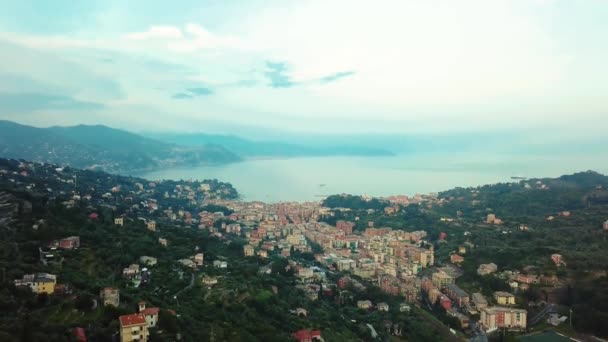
156,32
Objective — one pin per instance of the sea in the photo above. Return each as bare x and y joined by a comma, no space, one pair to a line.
314,178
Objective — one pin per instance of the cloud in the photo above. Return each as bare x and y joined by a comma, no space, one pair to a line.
277,75
200,91
156,32
191,93
31,102
336,76
182,96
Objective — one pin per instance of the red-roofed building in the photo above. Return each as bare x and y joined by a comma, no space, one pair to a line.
150,314
133,328
307,335
79,334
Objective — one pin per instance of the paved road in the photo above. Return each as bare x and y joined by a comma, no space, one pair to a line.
187,287
546,310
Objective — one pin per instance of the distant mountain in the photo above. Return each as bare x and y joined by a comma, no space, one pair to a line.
257,148
101,147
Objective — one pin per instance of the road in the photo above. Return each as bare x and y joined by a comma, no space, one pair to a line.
539,316
192,277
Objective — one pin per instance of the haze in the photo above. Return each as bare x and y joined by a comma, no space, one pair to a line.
438,67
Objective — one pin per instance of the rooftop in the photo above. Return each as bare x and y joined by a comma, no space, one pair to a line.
135,319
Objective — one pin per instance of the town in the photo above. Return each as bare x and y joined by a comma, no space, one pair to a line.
327,252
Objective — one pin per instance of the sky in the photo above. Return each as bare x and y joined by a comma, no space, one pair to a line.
343,66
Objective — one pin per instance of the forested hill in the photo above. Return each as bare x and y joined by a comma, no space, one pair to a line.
102,147
539,196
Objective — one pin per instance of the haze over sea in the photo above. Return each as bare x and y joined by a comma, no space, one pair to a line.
311,179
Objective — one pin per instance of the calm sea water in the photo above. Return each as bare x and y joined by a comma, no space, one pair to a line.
306,179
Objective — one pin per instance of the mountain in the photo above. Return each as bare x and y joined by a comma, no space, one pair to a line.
272,148
102,147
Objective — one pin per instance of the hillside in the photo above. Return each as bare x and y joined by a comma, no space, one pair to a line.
266,148
101,147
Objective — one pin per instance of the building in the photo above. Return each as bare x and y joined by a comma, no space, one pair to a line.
220,264
442,279
504,298
119,221
71,242
148,260
458,295
163,242
131,272
305,272
606,225
485,269
150,314
39,283
133,328
151,225
110,296
187,263
248,250
307,335
198,259
456,259
496,317
490,218
557,259
364,304
479,301
383,307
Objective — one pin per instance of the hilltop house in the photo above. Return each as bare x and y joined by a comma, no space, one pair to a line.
133,328
39,283
110,296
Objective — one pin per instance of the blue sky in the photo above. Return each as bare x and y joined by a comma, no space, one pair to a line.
313,66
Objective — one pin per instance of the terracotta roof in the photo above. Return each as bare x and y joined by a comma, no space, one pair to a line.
150,311
135,319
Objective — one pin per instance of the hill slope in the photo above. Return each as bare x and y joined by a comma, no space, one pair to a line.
101,147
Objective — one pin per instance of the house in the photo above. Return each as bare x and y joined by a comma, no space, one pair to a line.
131,272
133,328
485,269
404,307
504,298
262,253
248,250
462,319
220,264
71,242
497,317
456,259
364,304
458,295
119,221
606,225
188,263
151,225
557,259
39,283
307,335
445,302
209,281
479,301
305,273
163,242
148,260
79,334
110,296
150,314
198,259
442,279
383,307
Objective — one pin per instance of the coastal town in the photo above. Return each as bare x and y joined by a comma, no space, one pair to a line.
340,259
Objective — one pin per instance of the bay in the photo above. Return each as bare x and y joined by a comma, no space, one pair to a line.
311,179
